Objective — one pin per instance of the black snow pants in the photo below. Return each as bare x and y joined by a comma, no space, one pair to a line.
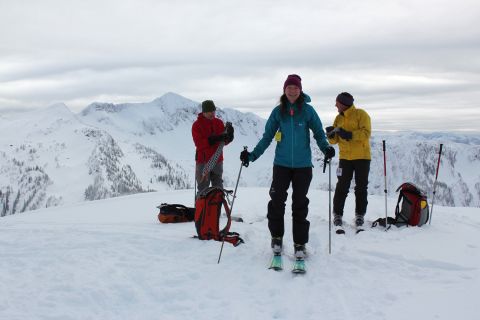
300,179
346,170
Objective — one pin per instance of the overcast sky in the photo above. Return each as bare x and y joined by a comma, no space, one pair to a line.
412,64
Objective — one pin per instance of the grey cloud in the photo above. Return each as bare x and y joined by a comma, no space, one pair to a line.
387,53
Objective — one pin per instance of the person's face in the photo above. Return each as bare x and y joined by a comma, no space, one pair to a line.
209,115
340,107
292,92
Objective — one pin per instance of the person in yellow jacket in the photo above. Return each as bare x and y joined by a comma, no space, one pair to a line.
351,130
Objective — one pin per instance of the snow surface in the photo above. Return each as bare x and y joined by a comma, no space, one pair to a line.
112,259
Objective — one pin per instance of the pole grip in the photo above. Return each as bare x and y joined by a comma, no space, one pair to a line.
384,160
435,183
438,163
245,164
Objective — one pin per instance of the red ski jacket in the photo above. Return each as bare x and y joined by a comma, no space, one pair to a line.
203,128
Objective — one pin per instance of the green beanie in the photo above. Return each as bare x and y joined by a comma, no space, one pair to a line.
208,106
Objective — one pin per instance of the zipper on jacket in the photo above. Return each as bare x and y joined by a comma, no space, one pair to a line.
293,132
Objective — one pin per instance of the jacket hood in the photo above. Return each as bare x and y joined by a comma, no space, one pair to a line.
306,97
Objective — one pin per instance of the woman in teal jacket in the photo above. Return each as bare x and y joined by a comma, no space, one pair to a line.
290,124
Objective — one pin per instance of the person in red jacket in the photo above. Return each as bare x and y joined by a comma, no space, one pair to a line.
208,132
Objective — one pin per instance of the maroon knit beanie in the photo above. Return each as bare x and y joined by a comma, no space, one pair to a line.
293,79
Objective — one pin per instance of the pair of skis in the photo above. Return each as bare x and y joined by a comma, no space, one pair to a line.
298,265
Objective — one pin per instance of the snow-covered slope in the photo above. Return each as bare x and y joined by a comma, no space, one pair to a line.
111,259
52,156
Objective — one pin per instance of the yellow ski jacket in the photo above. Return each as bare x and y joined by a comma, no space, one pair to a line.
357,121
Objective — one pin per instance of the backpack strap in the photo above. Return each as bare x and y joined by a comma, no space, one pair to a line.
226,229
399,217
231,237
225,234
172,206
381,221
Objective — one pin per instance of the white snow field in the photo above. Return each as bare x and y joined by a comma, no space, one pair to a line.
112,259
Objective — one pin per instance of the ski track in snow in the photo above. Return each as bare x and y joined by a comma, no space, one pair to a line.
111,259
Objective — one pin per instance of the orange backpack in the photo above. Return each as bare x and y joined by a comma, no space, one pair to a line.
174,213
208,208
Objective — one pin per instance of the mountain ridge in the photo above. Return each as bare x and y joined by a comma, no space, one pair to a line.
108,150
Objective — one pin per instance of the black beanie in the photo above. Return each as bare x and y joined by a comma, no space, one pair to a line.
208,106
345,98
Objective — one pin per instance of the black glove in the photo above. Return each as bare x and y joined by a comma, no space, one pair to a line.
244,157
229,132
329,153
216,138
344,134
330,131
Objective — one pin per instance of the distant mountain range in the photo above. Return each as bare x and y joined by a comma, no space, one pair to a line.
52,156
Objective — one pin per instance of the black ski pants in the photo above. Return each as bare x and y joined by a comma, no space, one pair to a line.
300,179
346,170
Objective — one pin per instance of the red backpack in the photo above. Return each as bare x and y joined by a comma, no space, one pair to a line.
411,210
414,206
208,208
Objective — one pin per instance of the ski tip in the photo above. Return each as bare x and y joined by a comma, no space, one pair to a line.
299,267
277,263
276,268
299,271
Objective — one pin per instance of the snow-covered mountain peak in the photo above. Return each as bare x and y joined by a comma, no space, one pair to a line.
171,103
38,123
171,98
54,111
102,107
59,108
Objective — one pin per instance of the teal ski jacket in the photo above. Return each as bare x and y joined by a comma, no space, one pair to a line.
291,131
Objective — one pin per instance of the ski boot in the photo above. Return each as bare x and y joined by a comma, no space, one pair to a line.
277,245
338,223
359,222
300,254
276,263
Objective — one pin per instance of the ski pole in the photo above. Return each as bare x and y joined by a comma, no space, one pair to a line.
435,182
385,177
195,187
231,207
195,181
329,208
325,162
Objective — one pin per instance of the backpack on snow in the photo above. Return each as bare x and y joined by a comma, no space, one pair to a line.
208,208
173,213
411,210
